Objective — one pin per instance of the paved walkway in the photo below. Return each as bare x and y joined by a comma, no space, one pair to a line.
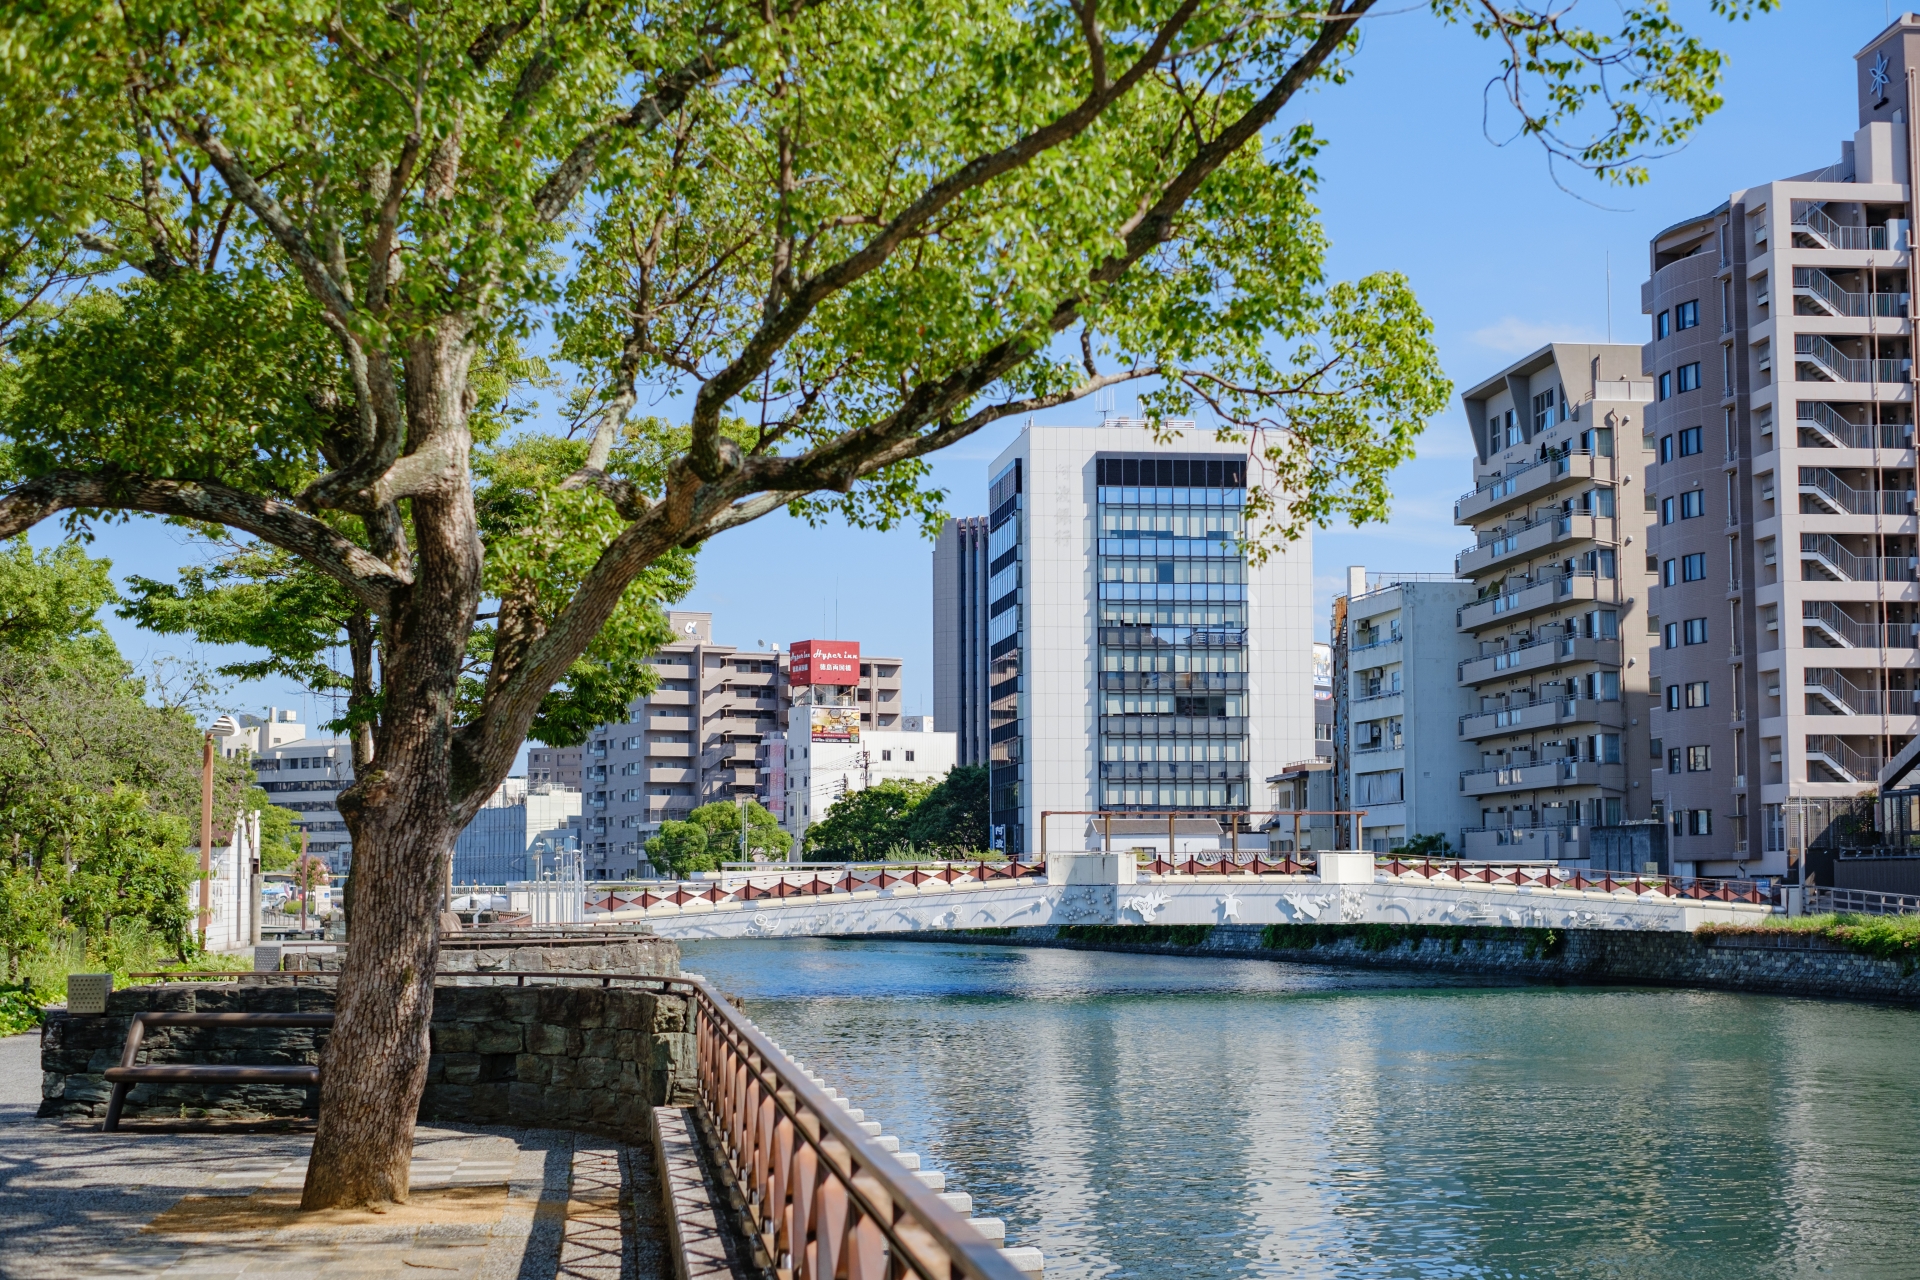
489,1204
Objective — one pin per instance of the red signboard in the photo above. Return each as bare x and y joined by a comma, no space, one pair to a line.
834,662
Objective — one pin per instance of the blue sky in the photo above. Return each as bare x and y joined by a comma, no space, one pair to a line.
1501,257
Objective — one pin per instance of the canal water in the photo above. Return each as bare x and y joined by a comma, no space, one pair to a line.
1147,1116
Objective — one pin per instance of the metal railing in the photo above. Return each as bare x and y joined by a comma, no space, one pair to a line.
1850,566
1840,367
1502,486
1519,875
821,1195
1841,302
1847,698
1815,222
1503,602
1852,764
1839,432
1862,902
1827,616
1821,483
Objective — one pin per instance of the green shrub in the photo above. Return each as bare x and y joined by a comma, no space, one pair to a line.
1386,937
1176,935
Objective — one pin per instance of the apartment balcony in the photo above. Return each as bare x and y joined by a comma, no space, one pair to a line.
1549,843
1827,427
1526,485
1811,220
670,750
1540,776
669,723
1538,597
1833,759
1540,715
1380,653
1824,493
1537,656
1377,706
669,698
1530,539
1832,692
670,774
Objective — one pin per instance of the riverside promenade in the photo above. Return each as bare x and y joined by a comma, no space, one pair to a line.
488,1203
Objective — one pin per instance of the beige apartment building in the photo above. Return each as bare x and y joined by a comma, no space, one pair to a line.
1781,347
1555,672
706,734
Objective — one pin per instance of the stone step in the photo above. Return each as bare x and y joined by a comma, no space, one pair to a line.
934,1181
994,1229
1026,1260
958,1201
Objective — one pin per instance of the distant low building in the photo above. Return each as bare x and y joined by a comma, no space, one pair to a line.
828,758
521,825
306,776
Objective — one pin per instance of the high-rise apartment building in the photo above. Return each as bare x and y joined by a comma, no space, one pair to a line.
1135,660
703,736
306,776
555,766
1782,473
960,602
1407,746
1556,674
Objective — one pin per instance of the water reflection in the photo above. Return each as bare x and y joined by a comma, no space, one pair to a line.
1140,1116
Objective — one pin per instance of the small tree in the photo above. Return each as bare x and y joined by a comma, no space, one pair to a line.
953,816
309,873
866,826
721,820
682,848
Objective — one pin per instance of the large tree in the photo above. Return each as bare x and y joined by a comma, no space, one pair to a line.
261,260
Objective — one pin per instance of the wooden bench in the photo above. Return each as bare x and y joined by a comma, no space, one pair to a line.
129,1073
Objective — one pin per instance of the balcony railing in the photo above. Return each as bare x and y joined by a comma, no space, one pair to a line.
1814,350
1495,489
1814,222
1836,431
1826,551
1827,293
1851,764
1532,650
1841,498
1830,692
1840,628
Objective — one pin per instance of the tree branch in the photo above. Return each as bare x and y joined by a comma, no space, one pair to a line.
371,580
705,452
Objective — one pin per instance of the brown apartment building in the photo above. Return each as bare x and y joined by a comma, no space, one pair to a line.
701,737
1783,476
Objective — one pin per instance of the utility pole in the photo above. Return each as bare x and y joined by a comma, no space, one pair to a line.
206,833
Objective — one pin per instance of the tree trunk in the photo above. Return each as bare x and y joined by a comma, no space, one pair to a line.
404,813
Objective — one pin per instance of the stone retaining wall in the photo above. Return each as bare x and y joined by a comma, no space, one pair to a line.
598,951
1803,966
589,1059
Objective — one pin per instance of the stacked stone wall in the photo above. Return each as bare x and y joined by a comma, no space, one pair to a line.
589,1059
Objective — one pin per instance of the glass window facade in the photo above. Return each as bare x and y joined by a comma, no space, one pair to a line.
1172,656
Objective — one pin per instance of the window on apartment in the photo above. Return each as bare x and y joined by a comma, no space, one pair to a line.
1666,386
1673,697
1693,568
1669,573
1666,511
1651,502
909,757
1688,377
1543,410
1673,760
1699,822
1696,630
1689,442
1672,638
1686,315
1666,448
1662,325
1699,759
1516,434
1693,504
886,755
1696,693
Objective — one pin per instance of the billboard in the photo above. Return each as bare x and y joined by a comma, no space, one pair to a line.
836,724
1322,672
835,662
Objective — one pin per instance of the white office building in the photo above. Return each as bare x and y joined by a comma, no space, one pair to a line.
520,826
1409,744
307,775
828,758
1136,662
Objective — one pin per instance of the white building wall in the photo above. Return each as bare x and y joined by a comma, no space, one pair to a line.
1060,615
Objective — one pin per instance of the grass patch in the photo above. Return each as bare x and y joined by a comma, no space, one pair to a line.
1883,937
1163,935
42,975
1387,937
